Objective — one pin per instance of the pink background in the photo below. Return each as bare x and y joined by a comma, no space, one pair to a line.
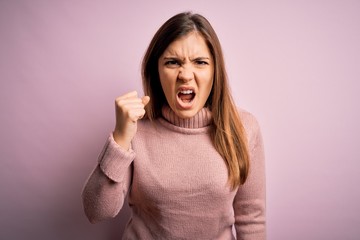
294,64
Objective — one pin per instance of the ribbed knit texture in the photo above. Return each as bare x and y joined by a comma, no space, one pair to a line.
177,183
202,119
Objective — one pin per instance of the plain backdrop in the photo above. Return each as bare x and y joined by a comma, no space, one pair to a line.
294,64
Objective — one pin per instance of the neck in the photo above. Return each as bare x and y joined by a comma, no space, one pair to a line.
202,119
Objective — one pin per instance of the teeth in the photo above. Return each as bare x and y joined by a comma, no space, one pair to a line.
186,92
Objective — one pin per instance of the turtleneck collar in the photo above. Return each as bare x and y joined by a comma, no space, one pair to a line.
202,119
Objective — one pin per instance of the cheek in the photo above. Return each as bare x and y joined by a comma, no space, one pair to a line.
162,77
207,83
210,81
208,88
166,83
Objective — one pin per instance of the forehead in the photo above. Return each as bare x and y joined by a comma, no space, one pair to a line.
189,45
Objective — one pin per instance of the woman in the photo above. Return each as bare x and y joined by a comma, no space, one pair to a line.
192,164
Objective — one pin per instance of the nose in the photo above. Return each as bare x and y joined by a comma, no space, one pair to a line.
186,74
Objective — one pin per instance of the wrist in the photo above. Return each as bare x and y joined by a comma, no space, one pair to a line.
121,141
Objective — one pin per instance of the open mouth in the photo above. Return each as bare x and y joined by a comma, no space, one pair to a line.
186,96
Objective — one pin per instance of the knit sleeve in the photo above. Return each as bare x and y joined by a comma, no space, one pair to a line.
105,190
249,203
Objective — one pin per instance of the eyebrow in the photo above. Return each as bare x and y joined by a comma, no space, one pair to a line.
201,58
177,58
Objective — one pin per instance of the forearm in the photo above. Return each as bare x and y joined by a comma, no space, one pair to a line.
105,190
102,197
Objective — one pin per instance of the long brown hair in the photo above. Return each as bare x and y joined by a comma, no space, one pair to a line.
228,135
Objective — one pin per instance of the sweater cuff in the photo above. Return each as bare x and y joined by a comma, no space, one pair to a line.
114,161
252,236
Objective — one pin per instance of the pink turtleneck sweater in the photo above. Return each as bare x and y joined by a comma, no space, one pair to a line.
177,183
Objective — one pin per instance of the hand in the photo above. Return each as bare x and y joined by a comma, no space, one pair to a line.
129,108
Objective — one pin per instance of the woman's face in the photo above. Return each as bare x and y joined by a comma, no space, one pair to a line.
186,71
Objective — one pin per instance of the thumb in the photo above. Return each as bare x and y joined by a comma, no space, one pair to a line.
145,100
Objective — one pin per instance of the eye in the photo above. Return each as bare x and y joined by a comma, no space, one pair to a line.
172,62
201,62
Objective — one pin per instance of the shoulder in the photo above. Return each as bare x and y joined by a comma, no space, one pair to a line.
251,126
145,125
147,128
248,120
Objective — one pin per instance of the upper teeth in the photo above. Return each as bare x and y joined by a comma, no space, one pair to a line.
186,91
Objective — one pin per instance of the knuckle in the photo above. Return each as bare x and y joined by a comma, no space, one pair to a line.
121,104
119,101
